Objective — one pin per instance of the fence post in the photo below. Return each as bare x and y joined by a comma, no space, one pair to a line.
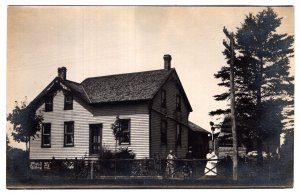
115,168
92,169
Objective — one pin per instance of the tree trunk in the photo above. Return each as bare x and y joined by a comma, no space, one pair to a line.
27,147
233,118
259,115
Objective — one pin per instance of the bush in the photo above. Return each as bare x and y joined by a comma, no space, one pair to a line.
125,153
121,167
121,153
17,162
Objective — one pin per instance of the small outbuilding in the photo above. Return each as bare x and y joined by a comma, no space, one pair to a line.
198,140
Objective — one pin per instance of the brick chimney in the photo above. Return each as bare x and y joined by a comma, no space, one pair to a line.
62,73
167,60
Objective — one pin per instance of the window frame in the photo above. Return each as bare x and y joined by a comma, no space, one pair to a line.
49,105
163,98
121,131
68,134
43,145
178,103
163,135
178,134
68,105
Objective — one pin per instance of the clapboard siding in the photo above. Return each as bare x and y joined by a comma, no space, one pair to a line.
83,115
173,118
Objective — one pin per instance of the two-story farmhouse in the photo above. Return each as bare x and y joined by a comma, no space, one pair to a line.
152,105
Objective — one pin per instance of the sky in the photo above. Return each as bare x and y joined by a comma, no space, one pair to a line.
104,40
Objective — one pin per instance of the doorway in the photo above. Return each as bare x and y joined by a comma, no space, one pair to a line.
95,139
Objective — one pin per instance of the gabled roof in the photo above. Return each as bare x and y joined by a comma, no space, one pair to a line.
197,128
125,87
130,87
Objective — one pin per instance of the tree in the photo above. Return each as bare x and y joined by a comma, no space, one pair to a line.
117,131
25,123
287,157
263,84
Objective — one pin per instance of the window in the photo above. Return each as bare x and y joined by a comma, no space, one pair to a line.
163,98
46,135
163,132
68,102
125,131
178,135
69,134
178,103
49,104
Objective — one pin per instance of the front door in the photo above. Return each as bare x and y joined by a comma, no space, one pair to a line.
95,139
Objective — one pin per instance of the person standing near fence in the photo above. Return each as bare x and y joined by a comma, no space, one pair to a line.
170,168
188,165
211,169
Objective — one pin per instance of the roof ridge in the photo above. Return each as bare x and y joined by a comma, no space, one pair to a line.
125,74
192,123
86,93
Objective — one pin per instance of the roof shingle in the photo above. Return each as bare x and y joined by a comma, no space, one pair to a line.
197,128
125,87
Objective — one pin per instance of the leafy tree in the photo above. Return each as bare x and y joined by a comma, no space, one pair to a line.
25,123
263,84
7,143
116,127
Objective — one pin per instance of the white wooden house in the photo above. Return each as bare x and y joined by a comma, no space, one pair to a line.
152,105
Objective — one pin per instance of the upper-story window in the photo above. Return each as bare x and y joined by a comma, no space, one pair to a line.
163,98
125,131
178,134
46,135
49,103
163,132
178,103
69,134
68,101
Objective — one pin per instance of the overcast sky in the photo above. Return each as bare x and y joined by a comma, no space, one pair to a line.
96,41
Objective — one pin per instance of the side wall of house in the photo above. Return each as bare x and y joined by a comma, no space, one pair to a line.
172,117
84,115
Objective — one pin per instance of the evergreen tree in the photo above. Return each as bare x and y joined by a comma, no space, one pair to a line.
263,84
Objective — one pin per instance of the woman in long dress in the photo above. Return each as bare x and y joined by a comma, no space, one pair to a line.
211,169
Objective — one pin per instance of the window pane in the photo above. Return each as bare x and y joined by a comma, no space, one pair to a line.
69,98
69,128
49,100
46,129
69,139
178,135
178,130
163,132
49,104
125,129
69,133
124,125
46,140
164,127
95,138
163,98
68,102
125,138
178,103
46,134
